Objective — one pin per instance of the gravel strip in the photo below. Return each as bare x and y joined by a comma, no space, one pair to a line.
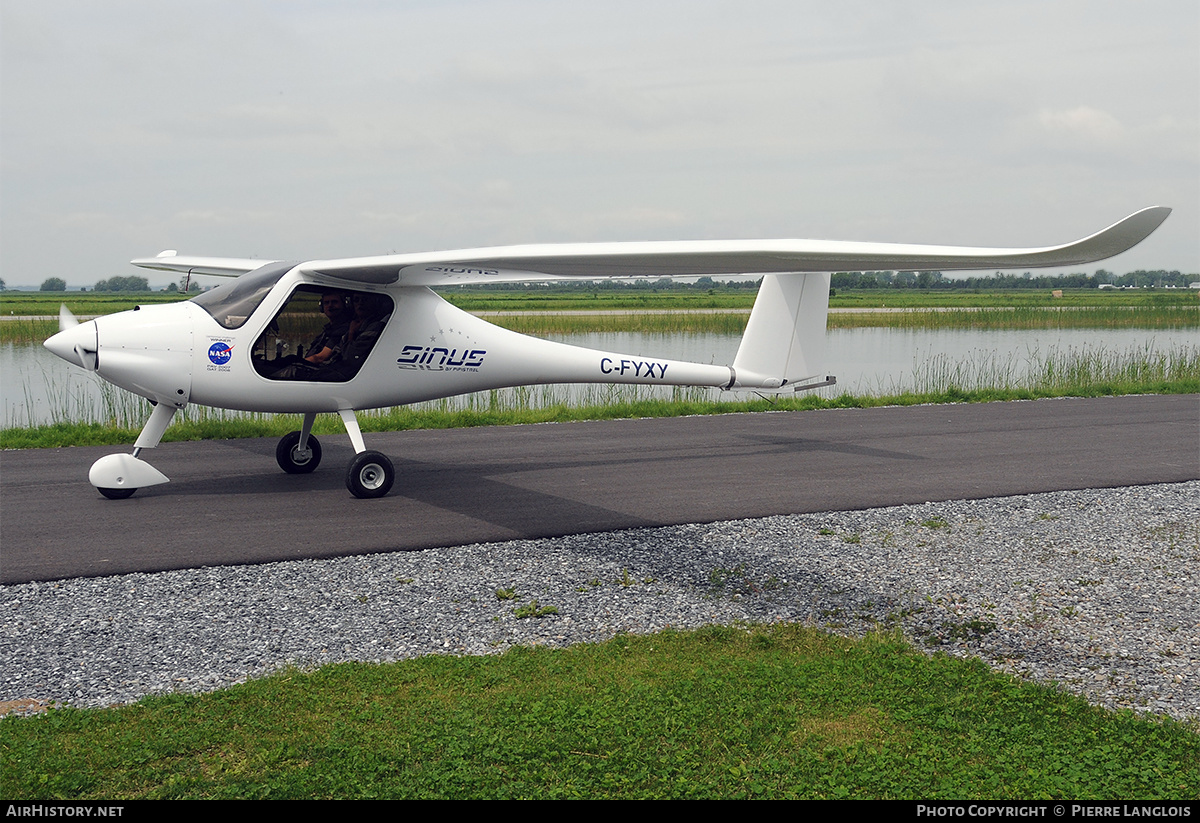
1098,590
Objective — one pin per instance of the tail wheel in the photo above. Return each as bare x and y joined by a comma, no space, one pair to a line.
370,475
117,494
292,460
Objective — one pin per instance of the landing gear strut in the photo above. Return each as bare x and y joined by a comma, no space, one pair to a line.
371,474
118,476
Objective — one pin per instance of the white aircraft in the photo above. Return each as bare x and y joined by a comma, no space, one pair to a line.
390,340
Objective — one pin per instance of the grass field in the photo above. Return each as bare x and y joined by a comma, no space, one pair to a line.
549,299
723,712
35,315
734,322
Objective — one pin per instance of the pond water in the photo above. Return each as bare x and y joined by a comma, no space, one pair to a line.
37,387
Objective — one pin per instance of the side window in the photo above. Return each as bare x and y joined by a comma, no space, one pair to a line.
321,335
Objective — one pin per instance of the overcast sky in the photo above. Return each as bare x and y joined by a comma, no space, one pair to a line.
315,129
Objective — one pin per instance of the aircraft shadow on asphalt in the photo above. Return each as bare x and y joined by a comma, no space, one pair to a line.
477,489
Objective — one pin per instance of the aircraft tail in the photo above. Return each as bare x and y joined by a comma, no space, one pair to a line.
784,341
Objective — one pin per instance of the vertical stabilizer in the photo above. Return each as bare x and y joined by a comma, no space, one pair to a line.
785,337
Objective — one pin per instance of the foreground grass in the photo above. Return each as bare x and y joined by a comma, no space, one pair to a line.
782,711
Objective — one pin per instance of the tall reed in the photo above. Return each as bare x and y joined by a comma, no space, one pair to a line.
1061,370
1026,317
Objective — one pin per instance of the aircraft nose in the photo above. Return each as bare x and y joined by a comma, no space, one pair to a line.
148,351
76,345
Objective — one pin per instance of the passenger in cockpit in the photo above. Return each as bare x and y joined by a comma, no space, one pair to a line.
371,313
334,305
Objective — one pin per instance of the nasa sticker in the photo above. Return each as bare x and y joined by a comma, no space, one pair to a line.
220,352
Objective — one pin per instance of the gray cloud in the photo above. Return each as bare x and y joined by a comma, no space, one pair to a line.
335,129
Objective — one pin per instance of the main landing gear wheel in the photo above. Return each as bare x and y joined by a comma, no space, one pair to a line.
370,475
117,494
292,460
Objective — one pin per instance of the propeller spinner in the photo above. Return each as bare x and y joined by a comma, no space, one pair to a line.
75,342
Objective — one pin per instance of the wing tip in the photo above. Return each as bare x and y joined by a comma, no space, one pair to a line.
1136,227
1157,214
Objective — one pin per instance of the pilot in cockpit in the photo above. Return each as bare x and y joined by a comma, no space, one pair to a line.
335,307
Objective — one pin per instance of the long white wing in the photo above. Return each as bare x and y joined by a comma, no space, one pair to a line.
691,258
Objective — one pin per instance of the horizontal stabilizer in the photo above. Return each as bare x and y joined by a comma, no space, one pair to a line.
219,266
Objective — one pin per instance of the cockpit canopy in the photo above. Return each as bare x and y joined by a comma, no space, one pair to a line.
233,303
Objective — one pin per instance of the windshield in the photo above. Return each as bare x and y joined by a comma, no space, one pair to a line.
232,304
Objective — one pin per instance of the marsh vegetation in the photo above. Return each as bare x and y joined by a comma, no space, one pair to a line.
1090,343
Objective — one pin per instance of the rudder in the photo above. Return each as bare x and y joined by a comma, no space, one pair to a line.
784,341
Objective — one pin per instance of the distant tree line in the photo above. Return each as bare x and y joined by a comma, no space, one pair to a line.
869,280
131,283
840,280
1005,280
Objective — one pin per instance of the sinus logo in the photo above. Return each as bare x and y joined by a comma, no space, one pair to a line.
436,358
220,353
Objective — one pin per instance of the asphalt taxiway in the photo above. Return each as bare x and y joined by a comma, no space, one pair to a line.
228,503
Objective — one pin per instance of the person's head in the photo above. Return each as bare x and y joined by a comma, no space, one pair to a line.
333,304
368,305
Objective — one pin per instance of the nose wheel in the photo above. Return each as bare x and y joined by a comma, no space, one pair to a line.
292,459
371,474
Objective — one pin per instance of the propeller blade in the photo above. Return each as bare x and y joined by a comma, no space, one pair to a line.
66,320
88,358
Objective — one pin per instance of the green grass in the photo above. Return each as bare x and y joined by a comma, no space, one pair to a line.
550,299
1026,317
85,303
969,298
734,322
751,712
27,329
